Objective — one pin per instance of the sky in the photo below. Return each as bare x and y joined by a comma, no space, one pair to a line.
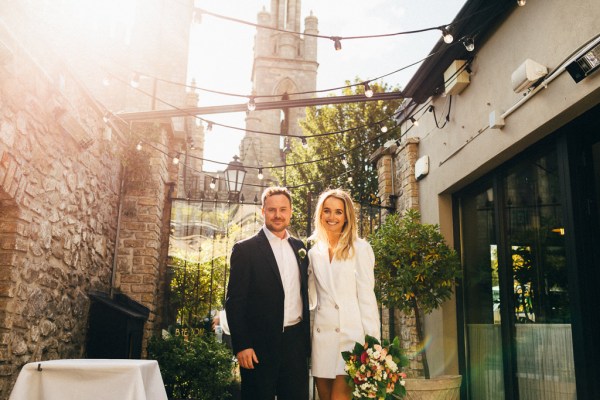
221,51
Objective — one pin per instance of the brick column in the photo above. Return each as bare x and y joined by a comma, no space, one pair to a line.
397,183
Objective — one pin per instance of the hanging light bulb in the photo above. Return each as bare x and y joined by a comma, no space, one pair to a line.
337,43
213,183
106,118
414,121
349,179
135,80
521,3
304,143
260,174
138,146
176,159
209,127
368,90
469,44
384,128
251,104
448,38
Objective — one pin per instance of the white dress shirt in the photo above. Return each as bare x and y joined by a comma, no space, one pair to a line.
290,276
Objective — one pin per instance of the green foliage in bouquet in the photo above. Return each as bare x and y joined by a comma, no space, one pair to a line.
197,368
375,369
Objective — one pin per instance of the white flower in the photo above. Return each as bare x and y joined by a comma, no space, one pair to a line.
302,253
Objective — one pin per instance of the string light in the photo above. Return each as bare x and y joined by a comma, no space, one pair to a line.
521,3
384,128
135,80
448,38
176,159
304,143
106,118
344,161
213,183
251,104
138,146
209,126
337,43
260,174
368,90
414,121
469,44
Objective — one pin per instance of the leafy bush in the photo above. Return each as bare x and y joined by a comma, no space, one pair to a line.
197,368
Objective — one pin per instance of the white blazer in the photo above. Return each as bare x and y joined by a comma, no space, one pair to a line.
342,294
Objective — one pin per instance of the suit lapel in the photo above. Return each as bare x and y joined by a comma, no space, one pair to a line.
265,248
326,269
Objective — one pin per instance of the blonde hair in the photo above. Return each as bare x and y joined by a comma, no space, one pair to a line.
345,245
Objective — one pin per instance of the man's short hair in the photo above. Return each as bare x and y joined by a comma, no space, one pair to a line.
274,190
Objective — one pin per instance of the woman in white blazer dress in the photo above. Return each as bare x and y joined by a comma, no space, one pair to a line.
341,289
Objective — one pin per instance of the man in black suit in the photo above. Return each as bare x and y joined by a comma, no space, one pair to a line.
267,306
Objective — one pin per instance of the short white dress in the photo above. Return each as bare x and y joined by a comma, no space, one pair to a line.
342,295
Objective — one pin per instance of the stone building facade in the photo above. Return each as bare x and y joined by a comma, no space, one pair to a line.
284,63
81,210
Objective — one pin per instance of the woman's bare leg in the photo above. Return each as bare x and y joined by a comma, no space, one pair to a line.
340,390
324,387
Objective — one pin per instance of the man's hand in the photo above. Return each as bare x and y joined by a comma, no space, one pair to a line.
247,358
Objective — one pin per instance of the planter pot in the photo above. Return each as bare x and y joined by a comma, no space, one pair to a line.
445,387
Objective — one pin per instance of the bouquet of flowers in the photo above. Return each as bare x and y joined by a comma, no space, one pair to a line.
375,370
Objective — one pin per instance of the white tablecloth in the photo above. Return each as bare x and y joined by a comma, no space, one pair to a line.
90,379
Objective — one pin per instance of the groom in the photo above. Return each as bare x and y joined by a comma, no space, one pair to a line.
267,306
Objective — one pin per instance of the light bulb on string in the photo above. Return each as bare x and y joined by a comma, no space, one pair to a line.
135,80
349,179
176,159
414,121
469,44
337,43
368,90
448,38
521,3
213,183
384,128
260,174
344,161
251,104
138,146
304,143
209,126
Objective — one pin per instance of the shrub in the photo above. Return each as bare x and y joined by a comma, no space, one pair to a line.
197,368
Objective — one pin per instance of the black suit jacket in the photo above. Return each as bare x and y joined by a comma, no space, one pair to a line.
255,297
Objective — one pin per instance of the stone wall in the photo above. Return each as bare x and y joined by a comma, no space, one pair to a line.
59,188
399,188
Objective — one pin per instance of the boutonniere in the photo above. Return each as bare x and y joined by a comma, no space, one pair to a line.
302,253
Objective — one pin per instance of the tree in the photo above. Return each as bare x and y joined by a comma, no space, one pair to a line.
341,159
415,270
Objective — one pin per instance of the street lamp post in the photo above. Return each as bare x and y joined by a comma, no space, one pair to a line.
234,177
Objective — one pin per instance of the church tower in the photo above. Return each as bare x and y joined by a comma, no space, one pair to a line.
284,63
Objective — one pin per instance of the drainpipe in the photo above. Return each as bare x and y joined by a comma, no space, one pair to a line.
113,273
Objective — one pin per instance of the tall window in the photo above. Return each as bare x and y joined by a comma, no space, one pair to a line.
515,288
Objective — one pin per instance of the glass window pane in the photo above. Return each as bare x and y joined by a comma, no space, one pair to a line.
536,242
482,295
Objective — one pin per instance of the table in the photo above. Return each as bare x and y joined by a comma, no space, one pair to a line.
97,379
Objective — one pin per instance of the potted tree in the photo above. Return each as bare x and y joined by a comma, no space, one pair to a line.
415,271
